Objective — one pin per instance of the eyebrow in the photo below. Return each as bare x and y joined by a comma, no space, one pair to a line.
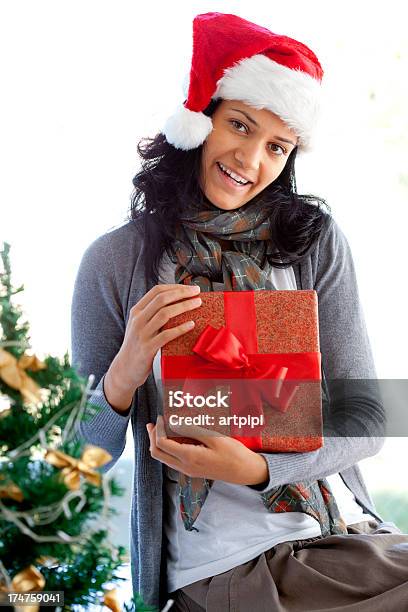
257,125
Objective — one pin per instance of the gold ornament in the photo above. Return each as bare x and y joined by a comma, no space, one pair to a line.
12,491
29,579
31,362
12,371
92,457
110,600
47,561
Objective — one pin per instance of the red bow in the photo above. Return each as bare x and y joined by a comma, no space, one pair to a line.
222,348
251,379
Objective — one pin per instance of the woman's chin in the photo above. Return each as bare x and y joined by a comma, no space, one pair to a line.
224,202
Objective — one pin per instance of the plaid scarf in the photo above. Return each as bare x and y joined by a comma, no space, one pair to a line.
201,261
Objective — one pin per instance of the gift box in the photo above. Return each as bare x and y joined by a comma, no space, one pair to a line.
256,356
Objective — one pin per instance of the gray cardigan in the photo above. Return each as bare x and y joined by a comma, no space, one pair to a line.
110,281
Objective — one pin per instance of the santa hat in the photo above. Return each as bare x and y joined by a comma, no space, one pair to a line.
235,59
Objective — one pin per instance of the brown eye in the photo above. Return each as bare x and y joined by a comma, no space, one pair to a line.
236,123
279,147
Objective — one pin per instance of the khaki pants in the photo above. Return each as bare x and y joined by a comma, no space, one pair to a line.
364,571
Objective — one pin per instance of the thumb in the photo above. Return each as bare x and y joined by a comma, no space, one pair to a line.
207,436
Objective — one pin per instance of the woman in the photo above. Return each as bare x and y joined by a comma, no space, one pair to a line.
215,208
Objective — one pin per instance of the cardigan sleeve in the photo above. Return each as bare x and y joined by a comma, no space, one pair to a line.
97,332
353,414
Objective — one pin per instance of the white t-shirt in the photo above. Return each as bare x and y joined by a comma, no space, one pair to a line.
234,525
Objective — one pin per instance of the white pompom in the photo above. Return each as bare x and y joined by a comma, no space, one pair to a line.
186,129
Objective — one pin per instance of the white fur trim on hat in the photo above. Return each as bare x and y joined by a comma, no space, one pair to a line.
291,94
186,129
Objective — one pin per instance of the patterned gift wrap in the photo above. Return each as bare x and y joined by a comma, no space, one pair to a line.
263,346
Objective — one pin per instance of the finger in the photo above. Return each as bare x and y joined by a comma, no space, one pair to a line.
166,313
152,431
160,442
206,436
164,457
184,452
169,334
162,295
147,298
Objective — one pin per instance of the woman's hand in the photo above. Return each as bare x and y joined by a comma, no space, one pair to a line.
217,458
143,339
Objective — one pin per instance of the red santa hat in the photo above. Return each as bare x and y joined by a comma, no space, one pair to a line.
235,59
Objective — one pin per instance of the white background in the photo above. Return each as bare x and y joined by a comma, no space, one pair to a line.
82,81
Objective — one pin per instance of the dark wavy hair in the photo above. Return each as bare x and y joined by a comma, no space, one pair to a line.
168,185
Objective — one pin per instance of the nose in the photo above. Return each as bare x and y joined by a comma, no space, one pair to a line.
249,155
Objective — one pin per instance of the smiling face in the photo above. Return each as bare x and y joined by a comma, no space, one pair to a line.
244,153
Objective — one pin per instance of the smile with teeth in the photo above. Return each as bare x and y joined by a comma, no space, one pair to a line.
236,177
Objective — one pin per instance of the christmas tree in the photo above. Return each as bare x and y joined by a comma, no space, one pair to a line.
54,503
